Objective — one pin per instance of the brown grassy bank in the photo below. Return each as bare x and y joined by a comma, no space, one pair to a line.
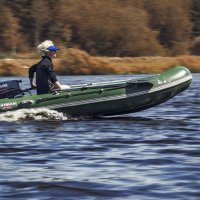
74,62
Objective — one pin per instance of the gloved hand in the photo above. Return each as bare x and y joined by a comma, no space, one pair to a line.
64,87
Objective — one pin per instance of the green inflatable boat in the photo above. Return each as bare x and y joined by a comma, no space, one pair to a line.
100,99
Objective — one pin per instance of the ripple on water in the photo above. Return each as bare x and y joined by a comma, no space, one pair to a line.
32,114
148,155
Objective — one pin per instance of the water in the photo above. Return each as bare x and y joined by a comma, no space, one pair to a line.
154,154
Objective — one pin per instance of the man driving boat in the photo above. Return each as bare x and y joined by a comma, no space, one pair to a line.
46,79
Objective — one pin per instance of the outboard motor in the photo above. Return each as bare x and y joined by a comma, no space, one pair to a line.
10,89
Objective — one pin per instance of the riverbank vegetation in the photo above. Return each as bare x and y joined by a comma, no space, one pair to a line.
75,62
101,37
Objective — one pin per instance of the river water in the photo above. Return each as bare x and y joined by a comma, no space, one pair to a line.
153,154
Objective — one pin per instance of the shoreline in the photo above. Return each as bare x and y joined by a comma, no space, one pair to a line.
77,62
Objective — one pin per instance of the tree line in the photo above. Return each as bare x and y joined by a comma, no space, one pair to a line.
103,27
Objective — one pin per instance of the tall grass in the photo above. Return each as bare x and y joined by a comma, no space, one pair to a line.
76,62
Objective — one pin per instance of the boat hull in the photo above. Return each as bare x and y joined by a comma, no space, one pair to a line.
124,105
109,98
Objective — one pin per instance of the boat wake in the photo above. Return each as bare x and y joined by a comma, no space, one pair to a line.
32,114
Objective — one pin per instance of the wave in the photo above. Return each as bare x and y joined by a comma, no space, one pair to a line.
32,114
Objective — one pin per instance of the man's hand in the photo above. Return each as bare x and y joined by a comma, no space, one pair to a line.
32,83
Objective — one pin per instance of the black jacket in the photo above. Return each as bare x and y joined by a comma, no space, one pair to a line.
44,74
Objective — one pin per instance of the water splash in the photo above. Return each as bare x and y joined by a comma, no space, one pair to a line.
32,114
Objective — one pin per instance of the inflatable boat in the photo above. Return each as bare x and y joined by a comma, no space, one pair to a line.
100,99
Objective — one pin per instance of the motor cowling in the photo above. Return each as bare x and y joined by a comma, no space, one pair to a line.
10,89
